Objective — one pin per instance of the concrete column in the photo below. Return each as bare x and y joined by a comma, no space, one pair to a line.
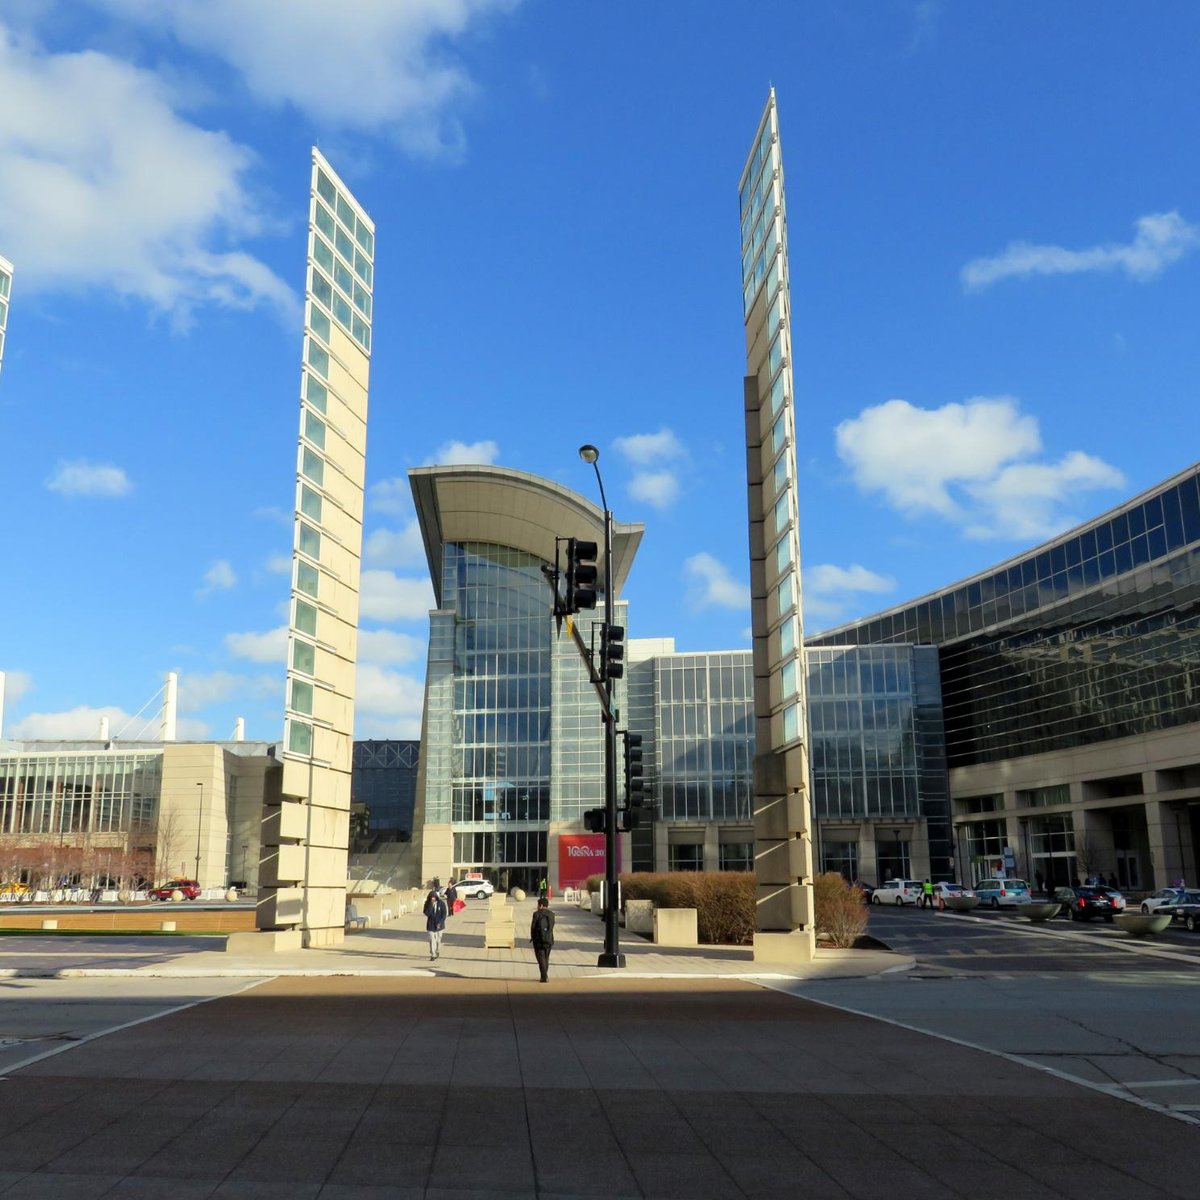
712,852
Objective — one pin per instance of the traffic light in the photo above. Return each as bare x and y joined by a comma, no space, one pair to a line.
612,651
635,793
581,575
594,820
630,820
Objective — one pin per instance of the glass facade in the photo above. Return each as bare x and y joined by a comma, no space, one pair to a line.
878,747
384,782
79,793
514,734
1088,638
703,744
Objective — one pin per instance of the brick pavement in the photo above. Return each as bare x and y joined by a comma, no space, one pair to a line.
366,1088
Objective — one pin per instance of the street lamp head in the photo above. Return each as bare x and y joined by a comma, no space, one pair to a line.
589,453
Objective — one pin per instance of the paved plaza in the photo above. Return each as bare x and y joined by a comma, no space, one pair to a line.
474,1081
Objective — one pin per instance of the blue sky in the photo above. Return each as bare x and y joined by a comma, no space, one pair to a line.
994,225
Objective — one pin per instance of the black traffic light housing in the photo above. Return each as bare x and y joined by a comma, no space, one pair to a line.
612,651
581,575
635,794
595,820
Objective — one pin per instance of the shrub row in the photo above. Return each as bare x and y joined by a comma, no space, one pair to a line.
724,903
723,900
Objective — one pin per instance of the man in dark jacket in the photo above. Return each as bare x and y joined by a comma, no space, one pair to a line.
541,934
435,920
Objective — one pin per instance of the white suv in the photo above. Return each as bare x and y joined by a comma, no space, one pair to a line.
479,888
897,891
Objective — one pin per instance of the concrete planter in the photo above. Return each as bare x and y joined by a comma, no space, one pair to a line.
961,903
1142,924
639,916
675,927
1039,912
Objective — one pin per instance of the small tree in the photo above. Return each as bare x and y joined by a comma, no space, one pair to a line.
840,914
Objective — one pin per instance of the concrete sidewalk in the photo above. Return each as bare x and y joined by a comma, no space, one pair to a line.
361,1088
401,948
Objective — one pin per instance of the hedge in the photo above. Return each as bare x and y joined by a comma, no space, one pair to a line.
723,900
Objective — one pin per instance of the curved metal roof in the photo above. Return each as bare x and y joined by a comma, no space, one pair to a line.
503,507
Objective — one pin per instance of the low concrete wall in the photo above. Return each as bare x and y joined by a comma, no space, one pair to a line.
675,927
500,935
270,942
371,907
639,916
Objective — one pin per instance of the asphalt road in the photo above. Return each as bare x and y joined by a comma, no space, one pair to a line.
1082,1002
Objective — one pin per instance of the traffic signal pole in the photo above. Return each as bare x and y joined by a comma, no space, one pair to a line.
612,956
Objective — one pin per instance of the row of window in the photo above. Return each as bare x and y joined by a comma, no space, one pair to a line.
478,849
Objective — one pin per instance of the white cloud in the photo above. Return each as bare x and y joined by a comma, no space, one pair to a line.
16,684
648,449
82,478
658,488
1030,500
104,187
391,496
967,463
395,547
279,564
77,724
464,454
1159,240
381,64
386,647
712,586
267,647
197,692
384,596
219,577
387,703
830,591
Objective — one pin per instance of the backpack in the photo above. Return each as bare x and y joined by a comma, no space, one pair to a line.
541,927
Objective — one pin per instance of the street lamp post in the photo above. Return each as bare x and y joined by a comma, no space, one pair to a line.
612,956
199,819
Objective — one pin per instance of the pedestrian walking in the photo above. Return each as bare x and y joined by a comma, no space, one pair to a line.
927,894
435,920
451,899
541,934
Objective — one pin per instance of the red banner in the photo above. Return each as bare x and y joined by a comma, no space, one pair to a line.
579,855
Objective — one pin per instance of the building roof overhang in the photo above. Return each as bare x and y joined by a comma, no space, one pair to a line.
503,507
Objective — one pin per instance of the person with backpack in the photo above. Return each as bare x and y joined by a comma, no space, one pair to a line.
435,920
541,934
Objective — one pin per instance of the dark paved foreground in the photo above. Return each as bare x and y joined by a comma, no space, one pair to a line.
365,1088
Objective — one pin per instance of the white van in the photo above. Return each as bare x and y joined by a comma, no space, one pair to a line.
897,891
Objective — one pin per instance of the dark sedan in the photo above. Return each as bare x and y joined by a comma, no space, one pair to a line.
1086,903
1186,910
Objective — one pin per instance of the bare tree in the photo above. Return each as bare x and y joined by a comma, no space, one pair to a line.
168,845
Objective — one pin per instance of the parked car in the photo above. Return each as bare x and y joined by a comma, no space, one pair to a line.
479,888
897,891
944,891
1085,903
865,890
1186,910
1116,897
1164,898
996,892
189,888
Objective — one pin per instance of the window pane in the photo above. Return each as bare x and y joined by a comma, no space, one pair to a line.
365,238
315,393
313,467
322,289
325,221
310,503
304,657
343,278
362,269
310,541
323,254
345,247
314,430
306,618
318,359
302,696
344,211
299,737
341,310
306,579
325,188
318,322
